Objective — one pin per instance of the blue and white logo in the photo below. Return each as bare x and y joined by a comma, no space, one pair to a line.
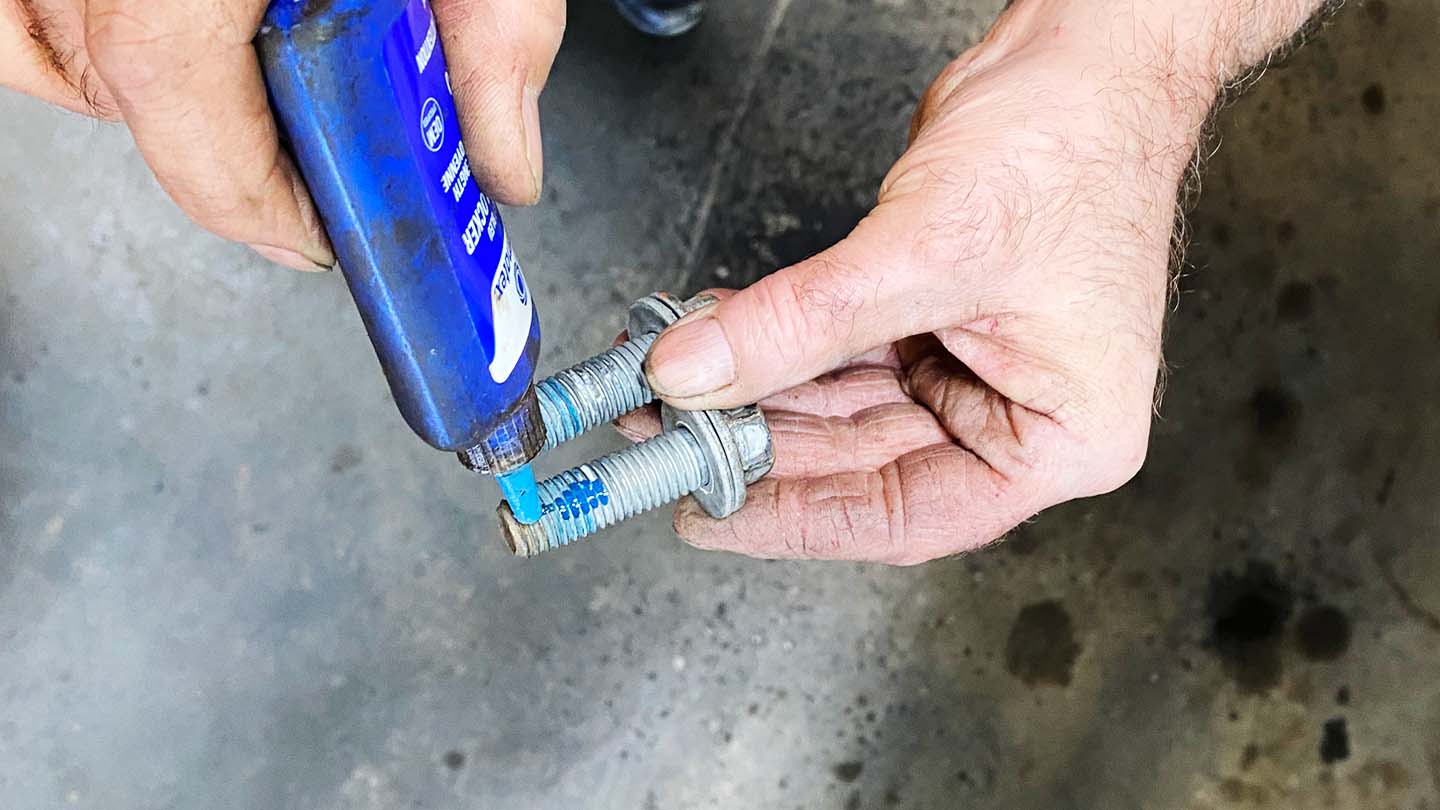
432,124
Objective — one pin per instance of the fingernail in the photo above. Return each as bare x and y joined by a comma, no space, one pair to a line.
321,254
534,149
290,258
316,248
691,358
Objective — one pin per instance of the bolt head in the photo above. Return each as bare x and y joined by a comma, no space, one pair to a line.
752,439
737,448
651,314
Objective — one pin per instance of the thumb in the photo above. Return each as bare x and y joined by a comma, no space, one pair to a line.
500,53
795,324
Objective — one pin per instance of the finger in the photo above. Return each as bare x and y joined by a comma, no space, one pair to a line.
42,55
1025,444
926,504
842,392
499,54
798,323
988,424
809,446
640,424
187,80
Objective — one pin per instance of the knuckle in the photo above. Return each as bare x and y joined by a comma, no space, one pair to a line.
551,18
240,206
484,86
776,322
1114,456
123,45
792,311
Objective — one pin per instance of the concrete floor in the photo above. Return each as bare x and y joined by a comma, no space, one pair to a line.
230,577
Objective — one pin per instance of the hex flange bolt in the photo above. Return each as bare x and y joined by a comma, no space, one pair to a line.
712,455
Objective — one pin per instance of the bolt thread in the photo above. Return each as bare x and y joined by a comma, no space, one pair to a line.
617,487
594,391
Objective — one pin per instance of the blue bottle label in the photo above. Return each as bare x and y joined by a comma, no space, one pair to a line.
489,275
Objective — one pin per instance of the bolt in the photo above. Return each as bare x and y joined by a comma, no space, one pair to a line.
606,386
712,455
611,383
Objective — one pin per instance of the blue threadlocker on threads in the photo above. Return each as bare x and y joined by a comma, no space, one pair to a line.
519,489
362,93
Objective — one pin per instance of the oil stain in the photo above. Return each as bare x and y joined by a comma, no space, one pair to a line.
346,458
1323,633
848,771
1334,741
1373,99
454,760
1295,302
1041,649
1248,612
1276,414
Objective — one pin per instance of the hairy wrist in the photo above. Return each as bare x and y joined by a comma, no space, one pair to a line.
1157,65
1207,42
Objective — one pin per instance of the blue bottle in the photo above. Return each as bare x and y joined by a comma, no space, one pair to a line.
361,91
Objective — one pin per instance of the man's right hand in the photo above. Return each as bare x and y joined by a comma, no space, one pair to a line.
183,75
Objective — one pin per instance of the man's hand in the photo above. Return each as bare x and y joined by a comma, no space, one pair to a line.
184,76
985,343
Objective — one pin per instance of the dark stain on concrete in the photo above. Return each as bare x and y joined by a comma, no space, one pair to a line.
852,802
1334,741
1295,302
1248,612
1373,99
1041,648
1276,414
1249,756
1220,234
1342,696
1323,633
454,760
346,458
848,771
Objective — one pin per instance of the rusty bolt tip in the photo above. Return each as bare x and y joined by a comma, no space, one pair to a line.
520,538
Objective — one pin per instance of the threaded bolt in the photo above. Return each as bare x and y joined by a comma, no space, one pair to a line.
594,391
713,454
612,383
601,493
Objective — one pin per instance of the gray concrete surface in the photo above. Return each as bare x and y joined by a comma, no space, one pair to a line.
230,578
